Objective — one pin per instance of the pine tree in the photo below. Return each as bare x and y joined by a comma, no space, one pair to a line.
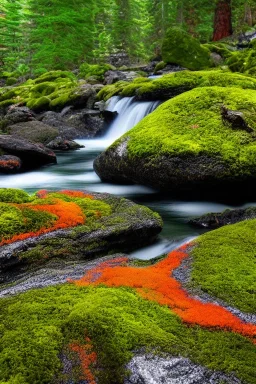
11,16
62,32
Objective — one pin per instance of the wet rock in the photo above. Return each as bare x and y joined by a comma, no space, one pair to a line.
16,114
88,122
112,77
128,227
54,119
76,124
10,164
35,131
119,59
152,369
63,145
32,155
229,216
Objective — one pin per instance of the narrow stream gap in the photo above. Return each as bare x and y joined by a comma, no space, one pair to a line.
75,171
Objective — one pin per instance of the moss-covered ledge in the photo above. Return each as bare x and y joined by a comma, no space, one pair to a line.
69,225
173,84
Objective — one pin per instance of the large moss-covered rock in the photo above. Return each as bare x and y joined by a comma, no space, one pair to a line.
181,48
69,225
173,84
185,145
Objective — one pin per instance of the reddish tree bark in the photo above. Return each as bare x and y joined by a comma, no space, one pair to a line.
222,20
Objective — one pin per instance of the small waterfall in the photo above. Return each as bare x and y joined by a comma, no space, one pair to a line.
130,112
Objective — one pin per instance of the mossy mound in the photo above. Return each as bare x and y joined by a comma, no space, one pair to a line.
223,49
184,145
52,90
243,61
173,84
94,70
224,264
181,48
69,333
68,224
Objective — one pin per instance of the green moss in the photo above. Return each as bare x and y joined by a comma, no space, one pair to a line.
37,327
63,100
53,75
160,66
175,83
45,88
15,220
52,89
224,50
224,264
191,125
94,70
111,90
11,195
11,81
181,48
39,104
243,61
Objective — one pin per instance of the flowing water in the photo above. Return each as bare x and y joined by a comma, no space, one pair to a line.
75,171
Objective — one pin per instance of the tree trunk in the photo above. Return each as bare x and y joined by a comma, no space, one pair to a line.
222,20
248,14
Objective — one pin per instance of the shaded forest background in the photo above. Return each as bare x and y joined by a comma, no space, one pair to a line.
40,35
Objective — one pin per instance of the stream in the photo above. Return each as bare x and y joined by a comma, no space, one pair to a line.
75,171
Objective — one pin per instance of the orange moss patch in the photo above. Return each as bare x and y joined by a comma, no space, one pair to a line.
68,214
156,283
87,357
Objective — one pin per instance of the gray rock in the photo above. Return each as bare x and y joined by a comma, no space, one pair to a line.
16,114
216,59
229,216
32,155
35,131
56,120
152,369
88,122
63,145
75,124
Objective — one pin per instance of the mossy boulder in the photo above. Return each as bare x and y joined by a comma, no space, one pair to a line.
78,226
173,84
96,71
181,48
224,264
35,131
52,90
186,146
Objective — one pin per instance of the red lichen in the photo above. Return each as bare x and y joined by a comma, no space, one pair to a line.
68,214
156,283
87,357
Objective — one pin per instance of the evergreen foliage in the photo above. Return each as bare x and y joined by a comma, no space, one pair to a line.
38,36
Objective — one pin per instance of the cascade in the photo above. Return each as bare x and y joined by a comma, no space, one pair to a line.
130,112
